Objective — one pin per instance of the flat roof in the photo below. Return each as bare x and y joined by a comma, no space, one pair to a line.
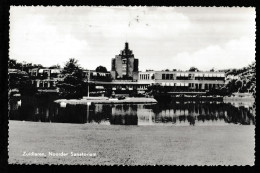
189,72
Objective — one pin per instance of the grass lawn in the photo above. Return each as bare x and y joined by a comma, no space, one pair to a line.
131,145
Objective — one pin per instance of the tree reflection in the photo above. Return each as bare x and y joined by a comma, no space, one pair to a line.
191,120
129,114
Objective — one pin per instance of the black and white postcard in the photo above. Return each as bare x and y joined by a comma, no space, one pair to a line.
132,85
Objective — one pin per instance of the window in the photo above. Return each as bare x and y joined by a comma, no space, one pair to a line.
51,84
171,76
41,84
167,76
163,76
124,61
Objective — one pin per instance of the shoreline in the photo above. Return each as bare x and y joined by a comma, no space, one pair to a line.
104,100
247,101
239,99
131,145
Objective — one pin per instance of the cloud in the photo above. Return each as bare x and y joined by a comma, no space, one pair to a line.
131,22
93,35
160,37
234,54
32,40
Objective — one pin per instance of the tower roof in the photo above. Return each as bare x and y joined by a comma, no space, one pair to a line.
126,46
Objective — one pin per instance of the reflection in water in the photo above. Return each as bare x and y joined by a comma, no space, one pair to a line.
124,114
174,113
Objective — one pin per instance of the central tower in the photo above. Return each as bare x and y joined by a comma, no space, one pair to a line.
124,66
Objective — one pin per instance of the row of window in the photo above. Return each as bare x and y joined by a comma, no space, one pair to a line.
171,77
191,85
42,84
129,87
167,76
145,76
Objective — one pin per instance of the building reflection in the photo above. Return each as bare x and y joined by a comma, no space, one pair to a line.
174,113
124,114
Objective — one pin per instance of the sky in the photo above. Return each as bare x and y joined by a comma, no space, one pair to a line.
160,37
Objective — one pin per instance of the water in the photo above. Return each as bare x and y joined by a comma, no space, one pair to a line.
174,113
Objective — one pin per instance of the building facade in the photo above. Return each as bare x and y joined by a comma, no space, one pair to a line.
45,78
124,66
184,80
124,77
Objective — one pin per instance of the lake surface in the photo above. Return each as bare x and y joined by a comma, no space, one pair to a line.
174,113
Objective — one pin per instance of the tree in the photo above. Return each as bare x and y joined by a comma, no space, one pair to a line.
12,64
231,87
24,66
193,69
54,66
72,85
71,67
239,85
101,69
20,80
245,83
38,66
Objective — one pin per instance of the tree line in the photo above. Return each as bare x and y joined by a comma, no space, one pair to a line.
72,84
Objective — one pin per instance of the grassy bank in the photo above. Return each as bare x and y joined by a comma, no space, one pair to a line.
131,145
